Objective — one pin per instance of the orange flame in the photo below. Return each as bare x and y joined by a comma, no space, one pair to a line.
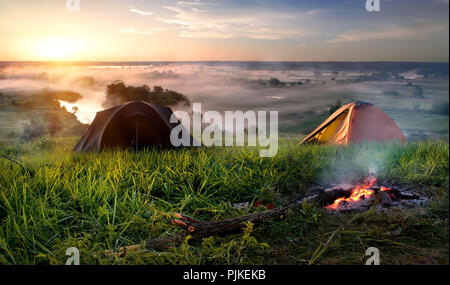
359,193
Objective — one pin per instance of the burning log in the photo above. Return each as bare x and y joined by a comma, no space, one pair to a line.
367,194
385,198
328,197
363,195
402,196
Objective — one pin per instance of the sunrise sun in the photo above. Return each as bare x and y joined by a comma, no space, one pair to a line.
56,48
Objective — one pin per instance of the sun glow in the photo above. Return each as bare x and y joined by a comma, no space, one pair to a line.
56,48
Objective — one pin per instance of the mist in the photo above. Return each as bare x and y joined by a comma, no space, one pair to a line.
302,97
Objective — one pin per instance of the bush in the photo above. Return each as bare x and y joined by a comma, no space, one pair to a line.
418,92
334,107
54,123
274,82
391,92
118,93
440,107
32,130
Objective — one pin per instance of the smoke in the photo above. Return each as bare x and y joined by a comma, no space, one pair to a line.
350,165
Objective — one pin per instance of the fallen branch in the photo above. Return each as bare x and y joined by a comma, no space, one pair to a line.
201,229
12,159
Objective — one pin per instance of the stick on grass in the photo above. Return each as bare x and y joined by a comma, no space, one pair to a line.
12,159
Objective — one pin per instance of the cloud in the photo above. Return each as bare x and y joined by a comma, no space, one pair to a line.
395,32
190,3
312,12
132,9
196,23
150,31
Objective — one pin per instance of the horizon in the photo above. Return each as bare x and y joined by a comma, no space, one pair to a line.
206,61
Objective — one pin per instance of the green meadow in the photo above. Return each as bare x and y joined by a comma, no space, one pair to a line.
58,199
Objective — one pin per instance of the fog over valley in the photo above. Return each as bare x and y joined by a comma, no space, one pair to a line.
302,93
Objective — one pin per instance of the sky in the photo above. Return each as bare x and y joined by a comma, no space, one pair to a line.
240,30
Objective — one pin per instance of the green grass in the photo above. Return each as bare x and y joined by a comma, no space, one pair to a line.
100,201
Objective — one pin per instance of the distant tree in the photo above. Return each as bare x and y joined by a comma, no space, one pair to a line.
334,107
391,92
118,93
158,89
32,130
440,107
11,135
75,110
54,124
418,91
274,82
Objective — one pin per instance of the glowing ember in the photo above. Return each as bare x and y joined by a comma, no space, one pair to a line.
360,194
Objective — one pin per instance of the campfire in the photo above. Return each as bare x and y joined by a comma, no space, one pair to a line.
345,197
337,199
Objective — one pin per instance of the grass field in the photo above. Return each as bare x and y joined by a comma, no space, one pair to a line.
104,201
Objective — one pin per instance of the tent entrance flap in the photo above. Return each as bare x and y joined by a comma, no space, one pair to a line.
328,133
136,138
135,132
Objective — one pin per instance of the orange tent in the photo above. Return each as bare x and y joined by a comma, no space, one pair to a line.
356,122
133,125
